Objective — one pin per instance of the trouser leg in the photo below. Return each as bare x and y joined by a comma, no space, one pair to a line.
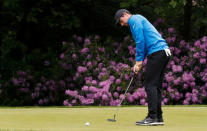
159,92
156,63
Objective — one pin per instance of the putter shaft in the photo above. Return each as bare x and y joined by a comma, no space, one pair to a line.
113,120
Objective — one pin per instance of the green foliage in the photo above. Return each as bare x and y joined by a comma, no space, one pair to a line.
175,3
181,14
31,30
12,56
49,12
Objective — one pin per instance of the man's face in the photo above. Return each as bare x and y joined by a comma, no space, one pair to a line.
124,19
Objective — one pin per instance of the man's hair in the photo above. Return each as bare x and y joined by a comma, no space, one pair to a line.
127,12
119,14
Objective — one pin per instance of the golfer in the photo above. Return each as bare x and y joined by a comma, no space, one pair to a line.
150,44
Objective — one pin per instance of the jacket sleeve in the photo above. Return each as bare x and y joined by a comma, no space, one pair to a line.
139,39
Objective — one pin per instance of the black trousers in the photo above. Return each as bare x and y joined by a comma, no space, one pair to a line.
156,64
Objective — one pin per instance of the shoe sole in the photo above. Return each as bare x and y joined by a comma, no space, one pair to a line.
151,124
160,123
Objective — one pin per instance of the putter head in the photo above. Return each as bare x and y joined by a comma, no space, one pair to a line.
111,120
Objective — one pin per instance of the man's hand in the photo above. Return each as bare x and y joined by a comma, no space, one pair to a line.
137,66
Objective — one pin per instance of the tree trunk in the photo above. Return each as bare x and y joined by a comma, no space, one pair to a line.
187,20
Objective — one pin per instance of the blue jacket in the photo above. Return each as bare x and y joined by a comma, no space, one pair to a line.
148,40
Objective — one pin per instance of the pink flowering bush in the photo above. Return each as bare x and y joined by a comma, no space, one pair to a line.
100,75
18,89
90,71
98,78
23,89
187,72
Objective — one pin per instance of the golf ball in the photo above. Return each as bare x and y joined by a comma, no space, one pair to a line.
87,124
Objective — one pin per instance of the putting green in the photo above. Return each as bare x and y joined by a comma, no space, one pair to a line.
176,118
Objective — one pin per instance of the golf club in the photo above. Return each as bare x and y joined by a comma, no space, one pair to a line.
114,119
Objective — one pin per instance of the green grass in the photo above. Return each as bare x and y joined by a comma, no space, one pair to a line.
177,118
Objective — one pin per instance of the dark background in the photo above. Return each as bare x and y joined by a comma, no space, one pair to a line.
31,28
